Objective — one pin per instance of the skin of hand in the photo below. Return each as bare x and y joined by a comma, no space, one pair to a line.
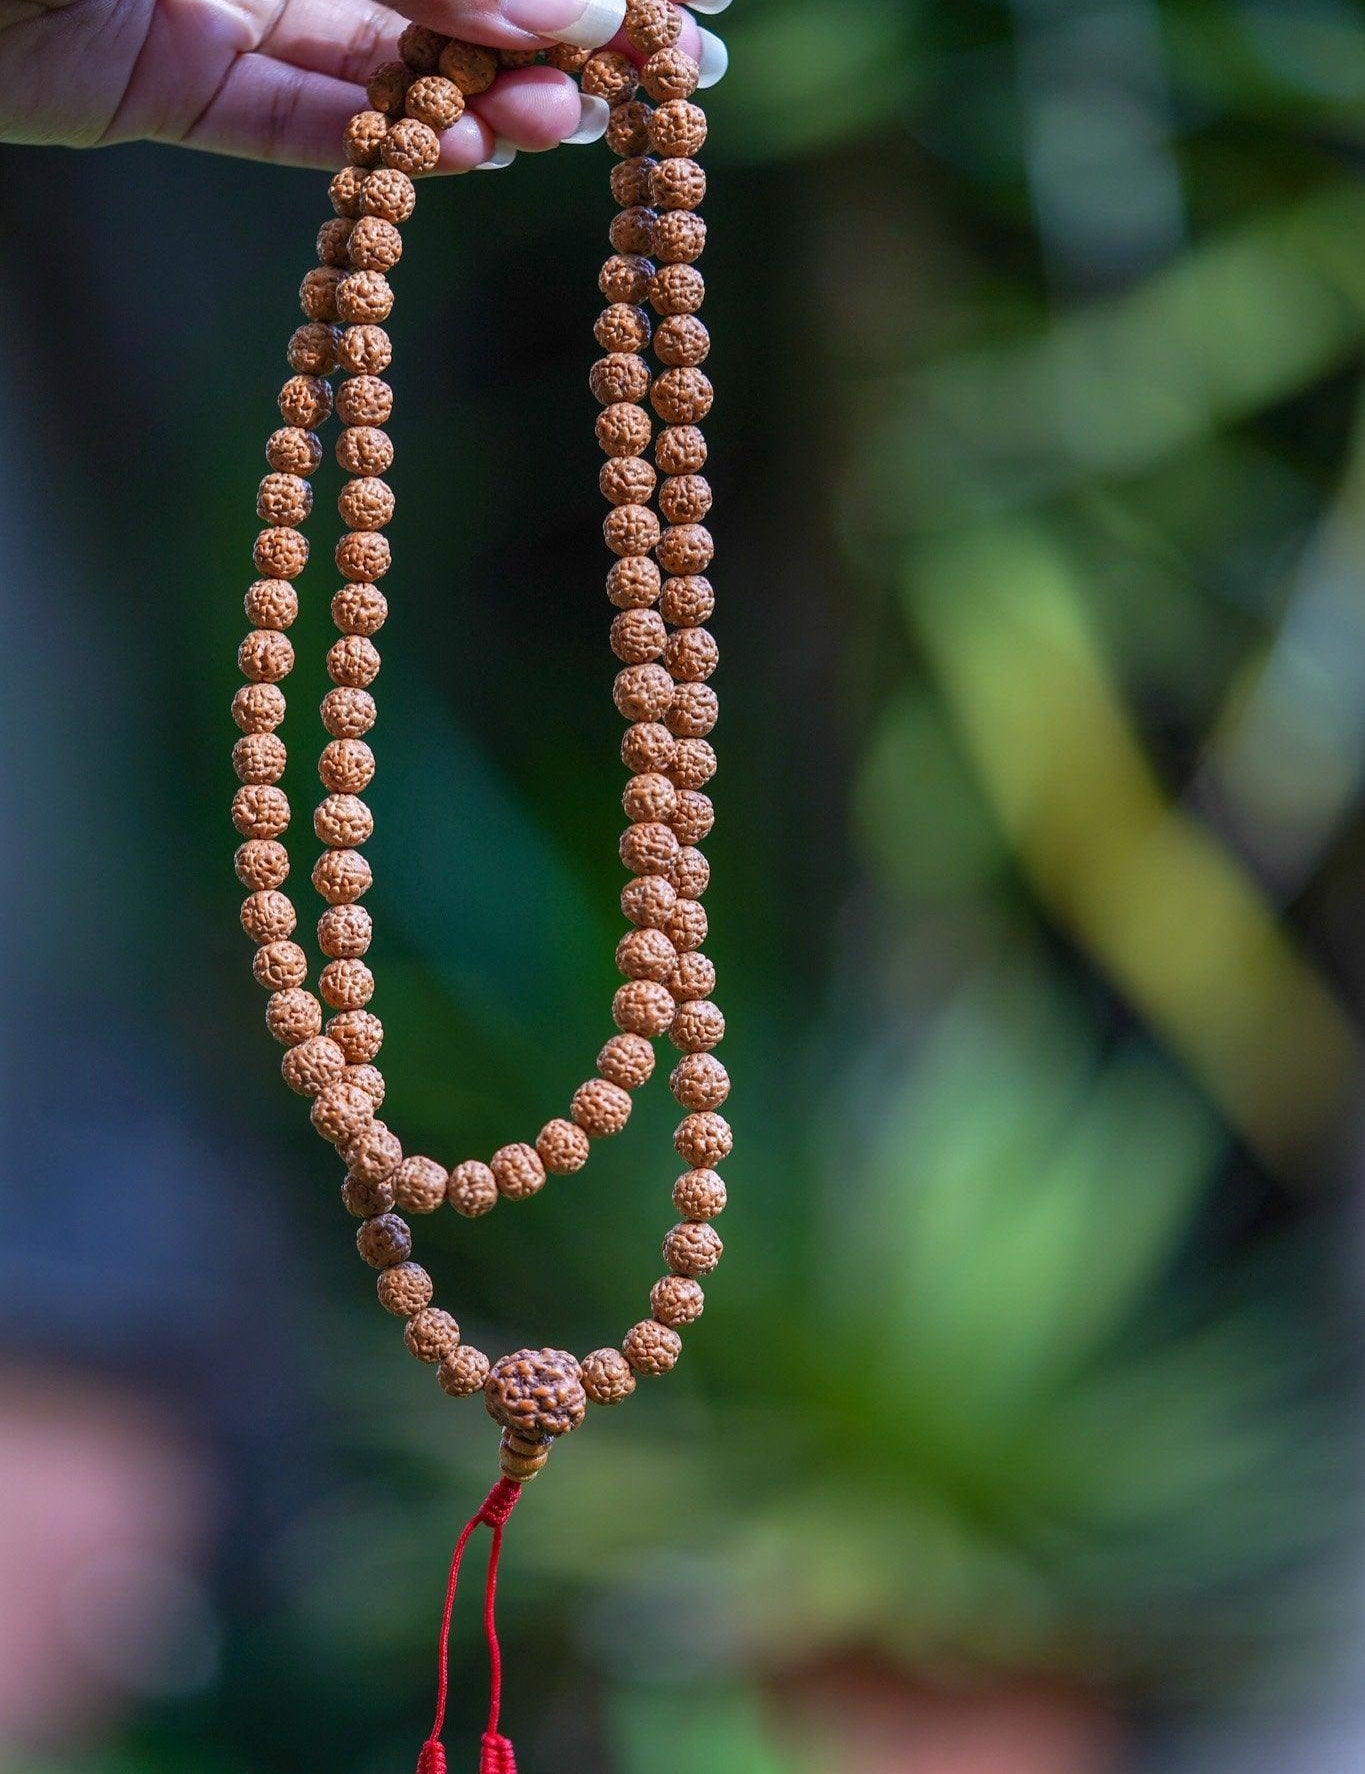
278,79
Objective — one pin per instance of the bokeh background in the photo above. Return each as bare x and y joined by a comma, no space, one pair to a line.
1022,1432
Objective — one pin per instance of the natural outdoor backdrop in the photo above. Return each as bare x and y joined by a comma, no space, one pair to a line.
1020,1436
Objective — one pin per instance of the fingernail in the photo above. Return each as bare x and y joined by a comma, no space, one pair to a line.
582,24
713,60
504,153
708,5
594,114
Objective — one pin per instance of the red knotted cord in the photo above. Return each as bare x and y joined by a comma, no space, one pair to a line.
496,1755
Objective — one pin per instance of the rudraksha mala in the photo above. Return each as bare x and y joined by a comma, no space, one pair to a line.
663,600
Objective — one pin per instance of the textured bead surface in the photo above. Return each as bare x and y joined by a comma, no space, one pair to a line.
699,1195
363,1199
431,1334
643,1008
358,1033
600,1108
562,1147
698,1026
463,1372
341,1111
608,1377
652,1348
384,1241
259,757
375,1151
261,863
293,1016
472,67
404,1289
517,1171
627,1060
312,1065
700,1081
537,1392
420,1185
693,1248
472,1189
703,1140
676,1300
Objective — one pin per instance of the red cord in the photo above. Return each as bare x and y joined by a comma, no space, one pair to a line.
496,1756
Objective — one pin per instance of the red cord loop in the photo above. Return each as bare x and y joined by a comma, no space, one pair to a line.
499,1503
496,1755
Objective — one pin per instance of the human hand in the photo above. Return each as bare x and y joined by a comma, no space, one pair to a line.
278,81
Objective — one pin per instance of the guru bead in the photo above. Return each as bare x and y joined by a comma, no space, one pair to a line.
536,1392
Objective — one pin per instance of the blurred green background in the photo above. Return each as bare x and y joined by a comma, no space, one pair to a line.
1020,1436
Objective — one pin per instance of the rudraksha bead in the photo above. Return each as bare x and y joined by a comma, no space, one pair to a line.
271,603
341,1111
536,1392
463,1372
700,1081
359,608
384,1241
472,1189
431,1335
293,1016
280,553
420,48
345,931
259,757
652,25
472,67
404,1289
268,916
369,1079
600,1108
518,1171
652,1348
693,1248
627,480
420,1185
627,1060
699,1195
648,748
642,1007
358,1033
703,1140
363,1199
313,1065
261,862
677,129
611,76
374,1153
607,1377
622,327
676,1300
638,636
646,954
292,450
563,1147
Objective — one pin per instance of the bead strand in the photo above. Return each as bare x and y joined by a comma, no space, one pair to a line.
665,656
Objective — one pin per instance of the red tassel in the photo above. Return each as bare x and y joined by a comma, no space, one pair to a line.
496,1755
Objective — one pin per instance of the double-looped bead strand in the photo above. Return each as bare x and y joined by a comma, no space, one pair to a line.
655,527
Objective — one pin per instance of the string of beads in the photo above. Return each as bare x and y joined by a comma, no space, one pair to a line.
657,585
